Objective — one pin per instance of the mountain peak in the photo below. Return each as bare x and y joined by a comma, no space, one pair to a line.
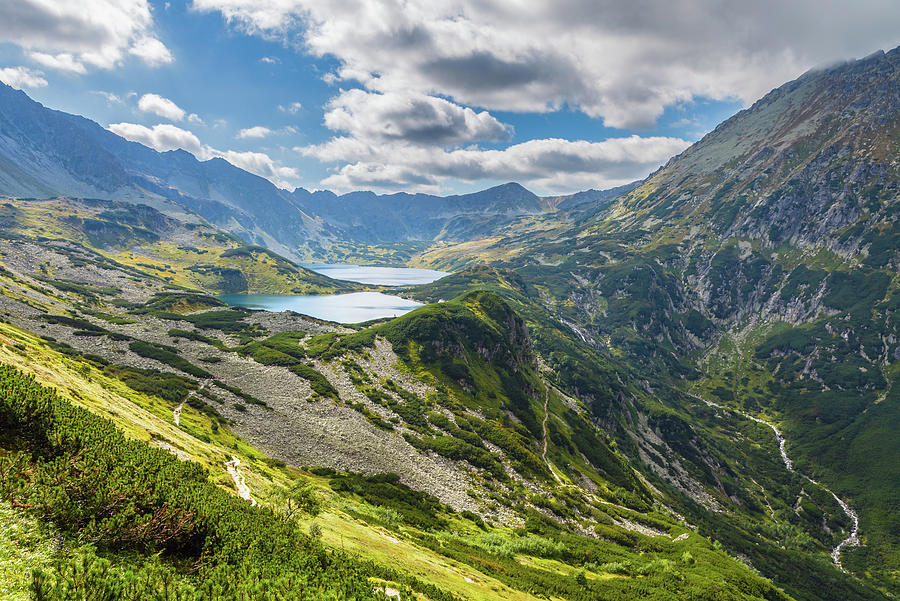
513,186
794,167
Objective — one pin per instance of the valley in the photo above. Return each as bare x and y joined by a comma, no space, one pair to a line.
680,388
339,412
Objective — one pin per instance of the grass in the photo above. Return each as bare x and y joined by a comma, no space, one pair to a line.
394,550
144,418
25,544
348,523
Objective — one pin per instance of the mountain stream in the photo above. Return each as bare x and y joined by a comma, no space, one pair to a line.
853,539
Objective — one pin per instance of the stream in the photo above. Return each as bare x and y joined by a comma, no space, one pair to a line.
853,539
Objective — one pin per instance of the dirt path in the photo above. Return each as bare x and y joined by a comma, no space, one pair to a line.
239,482
544,427
176,413
544,421
853,539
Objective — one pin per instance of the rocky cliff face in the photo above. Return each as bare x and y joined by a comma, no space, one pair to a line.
765,257
808,177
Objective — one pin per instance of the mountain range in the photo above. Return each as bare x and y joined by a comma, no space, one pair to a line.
49,153
682,388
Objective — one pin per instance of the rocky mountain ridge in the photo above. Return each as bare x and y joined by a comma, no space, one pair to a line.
756,271
46,153
798,167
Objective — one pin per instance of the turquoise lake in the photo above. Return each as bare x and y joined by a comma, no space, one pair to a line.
354,307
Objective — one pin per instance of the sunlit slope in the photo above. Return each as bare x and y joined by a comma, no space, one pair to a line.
191,254
359,515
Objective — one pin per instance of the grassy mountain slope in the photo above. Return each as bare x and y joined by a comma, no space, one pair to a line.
757,271
191,254
503,488
721,469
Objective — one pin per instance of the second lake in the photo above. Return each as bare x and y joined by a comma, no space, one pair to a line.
377,276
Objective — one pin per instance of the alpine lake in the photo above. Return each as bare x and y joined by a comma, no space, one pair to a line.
354,307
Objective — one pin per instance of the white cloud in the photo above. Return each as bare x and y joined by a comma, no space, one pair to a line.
151,51
159,105
406,141
83,33
109,96
259,164
422,65
413,118
63,61
164,136
293,108
619,61
548,166
257,132
161,137
270,60
195,118
22,77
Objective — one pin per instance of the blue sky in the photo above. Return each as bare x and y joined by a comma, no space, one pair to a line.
440,97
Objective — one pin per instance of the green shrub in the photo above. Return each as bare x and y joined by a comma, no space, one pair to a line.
169,356
317,381
125,494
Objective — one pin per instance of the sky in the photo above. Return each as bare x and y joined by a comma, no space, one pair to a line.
426,95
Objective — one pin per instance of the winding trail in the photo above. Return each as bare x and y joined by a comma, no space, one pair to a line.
176,413
544,427
853,539
544,421
239,482
590,495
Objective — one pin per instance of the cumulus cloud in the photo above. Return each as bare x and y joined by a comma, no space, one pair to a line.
161,137
159,105
417,142
414,118
270,60
623,62
76,34
63,61
259,164
549,166
257,132
164,136
151,51
22,77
